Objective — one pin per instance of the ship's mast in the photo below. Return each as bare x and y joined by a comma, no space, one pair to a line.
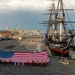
52,19
61,18
53,15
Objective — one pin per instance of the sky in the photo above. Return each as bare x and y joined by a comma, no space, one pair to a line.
27,13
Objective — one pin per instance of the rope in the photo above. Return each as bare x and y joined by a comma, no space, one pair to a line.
69,18
70,3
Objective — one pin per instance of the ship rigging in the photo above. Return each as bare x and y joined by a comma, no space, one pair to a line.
58,36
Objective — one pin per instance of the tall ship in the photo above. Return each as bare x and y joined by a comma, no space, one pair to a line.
59,33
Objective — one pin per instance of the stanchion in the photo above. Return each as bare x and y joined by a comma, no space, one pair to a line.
42,63
0,61
45,63
27,63
18,63
10,61
5,62
37,63
22,63
15,63
33,63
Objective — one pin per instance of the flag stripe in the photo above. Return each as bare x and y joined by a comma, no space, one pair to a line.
24,57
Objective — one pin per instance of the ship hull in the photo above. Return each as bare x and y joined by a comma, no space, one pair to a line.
59,52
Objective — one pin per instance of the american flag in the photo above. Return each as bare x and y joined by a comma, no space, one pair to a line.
24,57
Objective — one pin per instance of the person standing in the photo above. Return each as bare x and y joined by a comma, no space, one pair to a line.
38,47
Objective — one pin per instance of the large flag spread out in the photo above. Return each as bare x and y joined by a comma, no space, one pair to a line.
24,57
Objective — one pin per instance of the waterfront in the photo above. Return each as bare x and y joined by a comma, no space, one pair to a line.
53,68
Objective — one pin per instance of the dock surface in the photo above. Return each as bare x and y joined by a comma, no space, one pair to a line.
53,68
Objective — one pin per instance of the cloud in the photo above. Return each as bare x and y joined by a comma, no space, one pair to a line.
30,5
